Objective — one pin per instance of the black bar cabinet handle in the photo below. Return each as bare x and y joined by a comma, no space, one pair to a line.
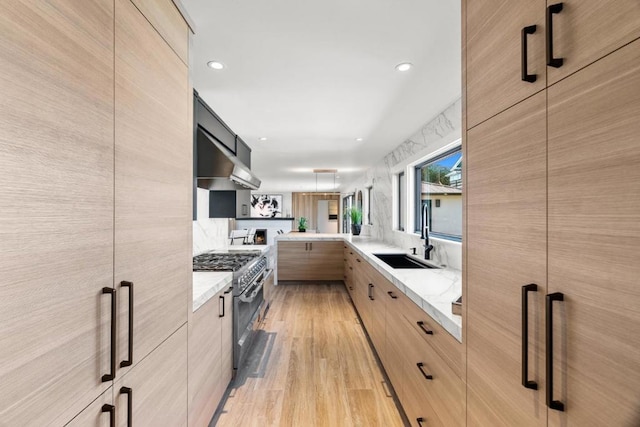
112,413
228,290
112,364
552,10
420,420
392,295
129,393
371,293
129,360
420,365
553,404
310,246
426,331
526,77
221,302
525,336
358,259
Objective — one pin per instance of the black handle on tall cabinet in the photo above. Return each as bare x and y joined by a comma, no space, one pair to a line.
129,360
370,291
129,393
221,302
551,10
112,413
526,77
112,364
427,376
525,336
420,421
392,295
553,404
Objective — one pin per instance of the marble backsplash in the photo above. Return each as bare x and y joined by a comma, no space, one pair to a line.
443,130
210,234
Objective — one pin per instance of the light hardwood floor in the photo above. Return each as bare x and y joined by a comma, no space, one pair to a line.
312,366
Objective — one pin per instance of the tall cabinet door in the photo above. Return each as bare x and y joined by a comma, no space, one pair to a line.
594,241
153,178
506,214
56,207
586,30
494,55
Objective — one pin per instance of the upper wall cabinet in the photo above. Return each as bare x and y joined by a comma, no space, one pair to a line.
505,55
585,30
56,207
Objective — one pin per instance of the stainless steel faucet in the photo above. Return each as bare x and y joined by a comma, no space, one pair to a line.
425,232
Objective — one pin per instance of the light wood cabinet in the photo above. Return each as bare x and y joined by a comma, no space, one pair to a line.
56,207
79,113
153,179
494,55
506,249
310,260
542,209
587,30
210,357
99,413
156,388
594,241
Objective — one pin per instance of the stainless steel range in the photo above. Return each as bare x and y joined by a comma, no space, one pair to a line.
249,269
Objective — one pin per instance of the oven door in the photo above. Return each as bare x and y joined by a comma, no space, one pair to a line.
246,310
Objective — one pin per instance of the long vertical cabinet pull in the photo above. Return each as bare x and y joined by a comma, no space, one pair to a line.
525,336
553,404
420,366
371,291
221,304
129,360
129,393
551,10
112,413
112,364
526,77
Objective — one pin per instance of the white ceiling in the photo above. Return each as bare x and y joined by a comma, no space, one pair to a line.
312,76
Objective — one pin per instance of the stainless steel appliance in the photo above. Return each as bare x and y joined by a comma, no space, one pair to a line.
249,270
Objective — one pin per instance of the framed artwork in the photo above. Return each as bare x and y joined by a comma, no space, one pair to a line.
266,205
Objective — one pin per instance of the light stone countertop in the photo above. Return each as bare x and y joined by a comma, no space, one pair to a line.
431,289
208,283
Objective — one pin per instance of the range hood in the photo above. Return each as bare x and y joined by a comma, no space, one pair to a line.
220,169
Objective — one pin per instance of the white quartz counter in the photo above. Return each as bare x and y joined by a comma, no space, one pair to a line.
432,289
208,283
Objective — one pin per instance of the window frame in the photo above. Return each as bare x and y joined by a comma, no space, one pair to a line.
418,194
402,218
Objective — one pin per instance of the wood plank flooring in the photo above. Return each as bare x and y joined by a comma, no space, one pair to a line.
311,366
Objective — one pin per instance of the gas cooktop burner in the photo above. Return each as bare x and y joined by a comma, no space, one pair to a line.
223,261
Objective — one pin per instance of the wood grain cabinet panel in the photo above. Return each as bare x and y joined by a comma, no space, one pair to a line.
493,48
158,386
56,207
98,414
587,30
210,357
594,241
167,20
153,183
310,260
506,249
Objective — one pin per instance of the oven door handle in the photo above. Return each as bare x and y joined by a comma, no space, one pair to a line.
254,293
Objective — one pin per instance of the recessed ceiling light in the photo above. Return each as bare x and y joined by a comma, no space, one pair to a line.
405,66
358,139
262,138
216,65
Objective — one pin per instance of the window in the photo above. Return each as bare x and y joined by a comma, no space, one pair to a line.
402,201
439,194
369,203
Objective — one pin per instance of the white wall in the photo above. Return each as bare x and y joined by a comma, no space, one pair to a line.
442,131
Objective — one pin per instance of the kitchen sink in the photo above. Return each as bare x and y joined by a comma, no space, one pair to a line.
403,261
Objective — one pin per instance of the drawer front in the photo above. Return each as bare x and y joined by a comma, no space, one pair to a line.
430,379
447,347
